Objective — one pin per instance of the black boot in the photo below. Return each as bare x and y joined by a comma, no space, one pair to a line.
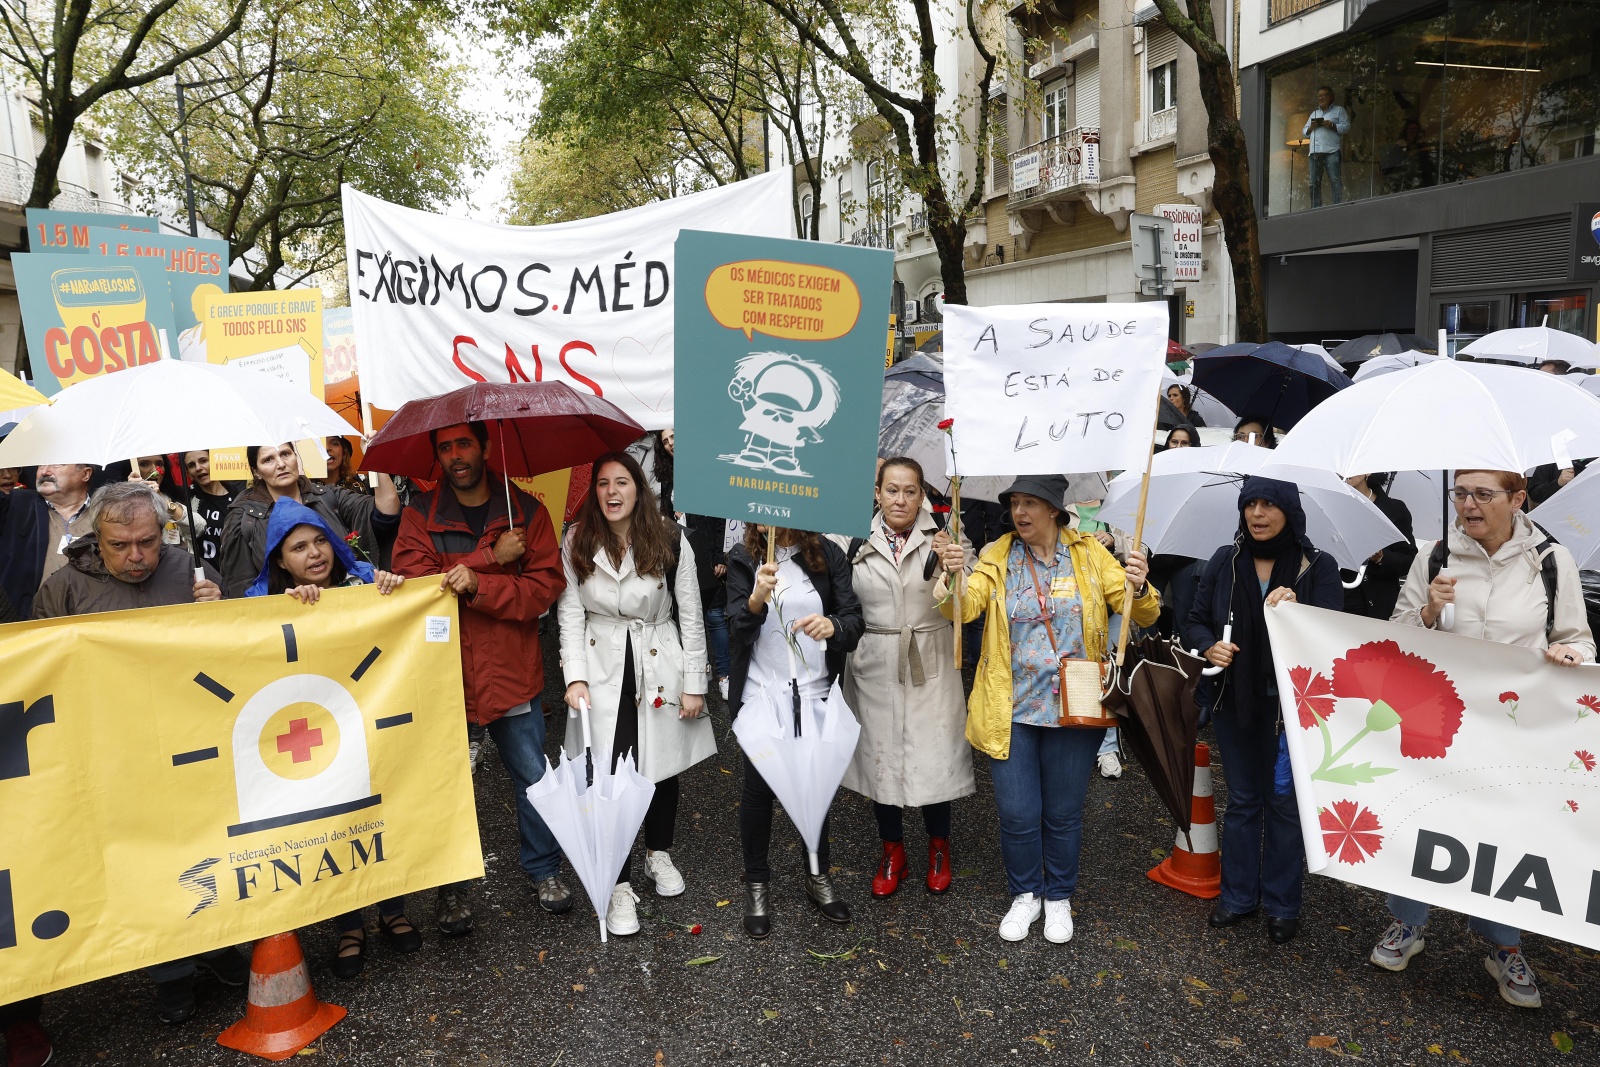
757,910
1221,916
821,890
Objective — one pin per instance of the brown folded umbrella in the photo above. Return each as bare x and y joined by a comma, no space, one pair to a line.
1153,695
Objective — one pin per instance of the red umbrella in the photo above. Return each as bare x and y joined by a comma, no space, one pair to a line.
536,428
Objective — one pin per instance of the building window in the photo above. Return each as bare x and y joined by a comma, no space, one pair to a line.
1053,120
1481,88
1161,82
807,202
879,222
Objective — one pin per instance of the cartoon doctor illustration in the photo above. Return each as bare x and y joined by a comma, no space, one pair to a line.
786,400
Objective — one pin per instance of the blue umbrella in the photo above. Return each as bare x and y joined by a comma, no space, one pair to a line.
1271,381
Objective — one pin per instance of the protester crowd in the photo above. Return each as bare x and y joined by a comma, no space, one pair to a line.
657,609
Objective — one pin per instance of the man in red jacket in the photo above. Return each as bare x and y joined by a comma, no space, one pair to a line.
505,574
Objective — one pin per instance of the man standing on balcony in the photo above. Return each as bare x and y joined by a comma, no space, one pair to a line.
1326,127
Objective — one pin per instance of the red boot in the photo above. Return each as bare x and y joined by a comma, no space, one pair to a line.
938,864
891,869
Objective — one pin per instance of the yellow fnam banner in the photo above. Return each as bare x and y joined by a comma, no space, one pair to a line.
178,779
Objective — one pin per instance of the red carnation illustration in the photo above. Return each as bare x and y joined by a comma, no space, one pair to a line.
1587,705
1404,689
1350,833
1509,697
1313,696
1586,759
1573,805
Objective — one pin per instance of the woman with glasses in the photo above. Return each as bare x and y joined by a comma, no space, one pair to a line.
1494,568
1255,430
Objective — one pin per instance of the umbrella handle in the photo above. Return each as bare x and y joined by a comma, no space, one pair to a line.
1227,635
1361,574
583,721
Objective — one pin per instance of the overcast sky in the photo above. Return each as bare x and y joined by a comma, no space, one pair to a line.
505,111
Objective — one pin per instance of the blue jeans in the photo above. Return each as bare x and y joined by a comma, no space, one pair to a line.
1330,162
1263,852
717,634
1415,913
1109,744
520,741
1039,793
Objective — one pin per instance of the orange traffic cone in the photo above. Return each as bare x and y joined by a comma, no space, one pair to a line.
282,1015
1195,866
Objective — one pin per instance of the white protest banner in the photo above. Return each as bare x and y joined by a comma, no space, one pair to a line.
1445,769
1053,388
439,303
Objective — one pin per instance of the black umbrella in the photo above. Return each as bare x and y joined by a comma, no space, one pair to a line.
1271,381
1363,348
1153,695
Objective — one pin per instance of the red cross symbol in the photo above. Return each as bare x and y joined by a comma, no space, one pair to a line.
299,740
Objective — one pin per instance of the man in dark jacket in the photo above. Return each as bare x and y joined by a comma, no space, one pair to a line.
37,525
123,564
506,574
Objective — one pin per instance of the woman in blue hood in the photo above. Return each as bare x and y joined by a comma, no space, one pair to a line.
304,558
1270,560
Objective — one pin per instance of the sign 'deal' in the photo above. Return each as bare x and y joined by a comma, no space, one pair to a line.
780,379
1187,220
1053,388
1458,772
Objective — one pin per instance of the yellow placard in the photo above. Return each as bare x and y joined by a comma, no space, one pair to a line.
795,301
551,491
216,773
279,333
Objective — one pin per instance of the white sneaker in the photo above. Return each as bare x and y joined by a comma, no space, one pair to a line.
1058,921
659,869
1025,908
722,687
622,918
1110,766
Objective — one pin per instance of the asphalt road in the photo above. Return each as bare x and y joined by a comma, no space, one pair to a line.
915,979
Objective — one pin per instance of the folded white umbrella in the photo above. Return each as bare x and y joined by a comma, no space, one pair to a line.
1534,345
1398,361
1193,508
595,821
802,753
167,406
1572,516
1447,416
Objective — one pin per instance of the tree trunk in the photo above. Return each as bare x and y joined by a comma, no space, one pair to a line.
47,166
1234,203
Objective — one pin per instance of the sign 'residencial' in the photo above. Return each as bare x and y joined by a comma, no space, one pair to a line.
1053,388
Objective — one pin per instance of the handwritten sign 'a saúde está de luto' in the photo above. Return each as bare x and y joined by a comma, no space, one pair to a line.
1053,388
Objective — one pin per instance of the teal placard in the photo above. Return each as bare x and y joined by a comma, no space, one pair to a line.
193,265
778,379
68,231
88,315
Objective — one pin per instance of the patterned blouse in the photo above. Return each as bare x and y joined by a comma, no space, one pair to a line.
1034,680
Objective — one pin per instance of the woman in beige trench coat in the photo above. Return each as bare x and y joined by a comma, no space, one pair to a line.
902,681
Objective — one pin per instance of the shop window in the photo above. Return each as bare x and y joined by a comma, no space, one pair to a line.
1468,320
1485,87
1565,311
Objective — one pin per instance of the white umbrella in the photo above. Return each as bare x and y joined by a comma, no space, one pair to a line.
1318,350
1215,413
595,822
1193,508
1447,415
167,406
1398,361
801,753
1534,345
1588,382
1422,492
1572,516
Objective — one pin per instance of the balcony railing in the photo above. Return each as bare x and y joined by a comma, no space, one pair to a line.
1278,10
1161,124
1066,161
917,222
867,237
16,185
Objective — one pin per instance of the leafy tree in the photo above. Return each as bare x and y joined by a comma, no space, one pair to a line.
310,94
76,53
1225,142
559,178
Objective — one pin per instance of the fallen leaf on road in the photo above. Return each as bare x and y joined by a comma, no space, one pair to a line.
1437,1050
577,987
849,990
1197,983
722,903
1062,980
700,961
1043,1041
542,955
1238,996
1124,943
433,1018
1002,964
1322,1041
1562,1041
1353,1047
769,1013
1456,1055
660,1056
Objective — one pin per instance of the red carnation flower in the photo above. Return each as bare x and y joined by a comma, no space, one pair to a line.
1350,833
1422,698
1313,696
946,424
1509,697
658,702
696,928
1585,758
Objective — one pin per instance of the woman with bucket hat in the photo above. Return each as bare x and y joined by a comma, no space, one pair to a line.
1046,594
1270,560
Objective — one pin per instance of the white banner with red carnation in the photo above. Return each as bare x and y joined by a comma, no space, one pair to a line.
1446,769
